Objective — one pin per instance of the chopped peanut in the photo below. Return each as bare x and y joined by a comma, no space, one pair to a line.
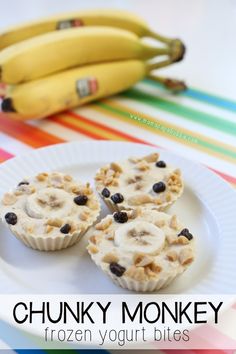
30,229
116,167
136,273
181,240
152,157
104,224
172,256
42,176
92,249
110,258
160,223
171,239
154,267
75,189
54,222
173,222
134,159
93,239
92,204
108,180
49,228
158,201
110,236
67,178
141,259
110,173
84,216
143,165
18,192
186,256
9,199
140,199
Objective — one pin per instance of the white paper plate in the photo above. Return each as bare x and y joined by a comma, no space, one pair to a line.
207,207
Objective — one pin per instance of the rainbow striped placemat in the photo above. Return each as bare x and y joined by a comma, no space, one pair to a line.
195,124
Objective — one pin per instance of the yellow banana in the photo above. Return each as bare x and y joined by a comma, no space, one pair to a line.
71,88
113,18
56,51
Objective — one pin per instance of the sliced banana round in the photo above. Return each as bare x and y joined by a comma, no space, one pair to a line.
140,236
49,201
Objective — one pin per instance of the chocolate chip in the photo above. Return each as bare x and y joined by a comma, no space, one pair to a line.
65,229
117,198
159,187
22,182
11,218
186,233
81,199
117,269
106,193
160,164
7,105
121,217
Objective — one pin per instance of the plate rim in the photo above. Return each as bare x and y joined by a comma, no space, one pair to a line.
4,167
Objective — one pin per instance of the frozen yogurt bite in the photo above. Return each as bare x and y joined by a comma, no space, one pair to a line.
50,211
147,182
141,250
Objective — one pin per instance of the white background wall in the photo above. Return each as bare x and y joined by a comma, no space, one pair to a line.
208,27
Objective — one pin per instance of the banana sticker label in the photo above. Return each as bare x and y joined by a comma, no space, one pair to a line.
69,24
3,90
86,87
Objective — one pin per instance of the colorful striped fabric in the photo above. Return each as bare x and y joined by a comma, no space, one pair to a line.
194,124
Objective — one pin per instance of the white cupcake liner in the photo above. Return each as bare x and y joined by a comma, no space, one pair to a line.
48,243
142,286
135,285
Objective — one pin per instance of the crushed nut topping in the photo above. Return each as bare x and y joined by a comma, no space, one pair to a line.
137,273
84,215
55,222
172,256
141,259
173,222
134,179
104,224
181,240
50,200
110,258
158,201
186,256
9,199
140,199
160,223
41,177
116,167
92,249
68,178
174,182
143,165
152,157
49,228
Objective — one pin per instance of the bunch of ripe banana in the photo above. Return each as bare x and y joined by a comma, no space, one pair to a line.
68,60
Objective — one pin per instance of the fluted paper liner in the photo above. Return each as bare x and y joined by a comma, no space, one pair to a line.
135,285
